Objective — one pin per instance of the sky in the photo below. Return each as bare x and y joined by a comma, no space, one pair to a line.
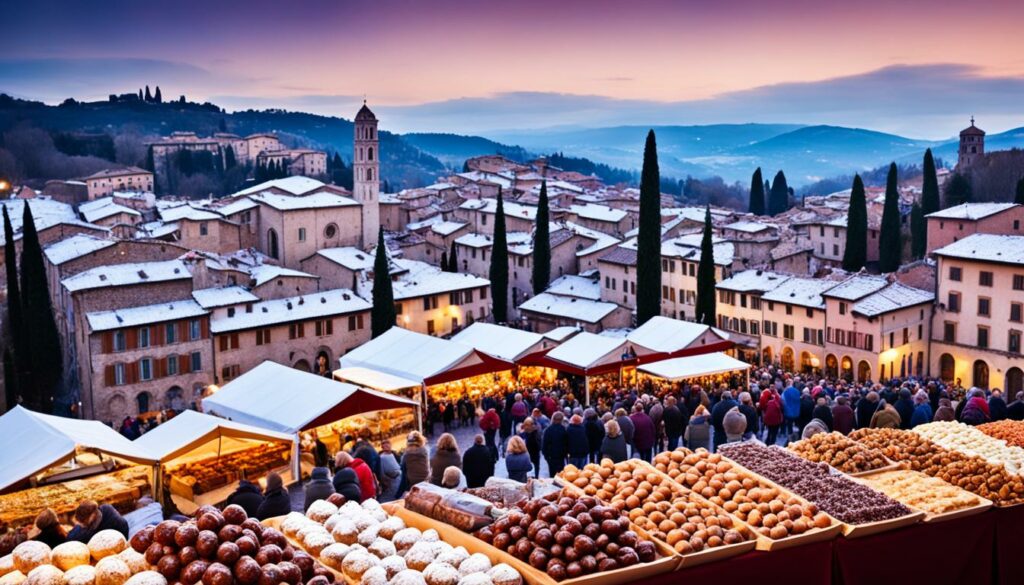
919,68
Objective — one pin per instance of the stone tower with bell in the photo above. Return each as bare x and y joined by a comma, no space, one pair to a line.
972,146
366,171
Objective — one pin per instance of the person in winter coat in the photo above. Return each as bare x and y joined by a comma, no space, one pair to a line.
748,410
446,454
822,412
790,407
490,422
674,420
364,475
905,407
866,408
724,405
276,501
318,488
519,412
842,415
613,445
885,417
555,444
644,434
922,410
735,425
415,462
944,413
698,430
975,412
625,424
390,472
531,435
595,434
346,480
806,410
517,460
248,495
477,464
772,415
1015,410
579,445
91,518
997,406
364,450
813,428
48,529
505,430
657,413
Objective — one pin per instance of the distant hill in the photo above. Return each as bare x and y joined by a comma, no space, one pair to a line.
454,149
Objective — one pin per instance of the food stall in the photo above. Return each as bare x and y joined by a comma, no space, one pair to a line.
522,348
707,369
290,401
597,359
62,461
663,338
202,457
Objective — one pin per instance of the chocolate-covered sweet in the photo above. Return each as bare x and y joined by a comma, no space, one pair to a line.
290,572
235,514
207,543
187,554
142,539
193,572
169,566
218,574
229,533
247,571
186,535
268,554
211,521
228,554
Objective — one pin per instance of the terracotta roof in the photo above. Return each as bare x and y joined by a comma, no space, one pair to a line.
364,113
620,255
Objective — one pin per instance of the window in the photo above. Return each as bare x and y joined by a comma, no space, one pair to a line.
949,332
985,278
204,229
170,333
892,340
143,336
984,307
430,327
398,308
953,303
983,337
302,234
296,330
1018,282
754,328
146,369
120,343
355,322
842,308
429,303
324,327
229,372
194,330
906,336
693,268
262,336
330,231
196,361
789,309
956,273
835,249
810,313
1016,312
119,374
172,365
1013,343
787,331
755,303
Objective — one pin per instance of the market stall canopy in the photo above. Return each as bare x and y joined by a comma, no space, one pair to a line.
504,343
287,400
31,442
662,338
588,354
416,357
191,430
693,366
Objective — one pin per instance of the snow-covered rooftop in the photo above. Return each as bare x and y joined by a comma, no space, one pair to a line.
264,273
447,228
349,257
136,316
187,211
475,240
972,211
296,185
598,212
317,305
891,298
236,206
568,307
422,279
211,298
156,229
987,248
76,246
571,285
98,209
127,274
750,227
752,281
314,201
805,292
499,341
45,213
602,241
562,333
512,209
857,287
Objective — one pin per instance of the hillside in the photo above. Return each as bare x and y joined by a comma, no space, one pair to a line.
454,149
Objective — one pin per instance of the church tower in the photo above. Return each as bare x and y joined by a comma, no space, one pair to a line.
972,146
366,168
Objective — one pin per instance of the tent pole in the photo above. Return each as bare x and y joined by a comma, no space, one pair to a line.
296,460
586,388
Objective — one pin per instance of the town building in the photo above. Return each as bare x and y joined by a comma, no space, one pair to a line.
972,146
739,308
366,182
960,221
104,183
793,324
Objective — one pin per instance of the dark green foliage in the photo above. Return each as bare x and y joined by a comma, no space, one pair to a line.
1019,199
453,259
756,193
45,353
499,265
918,232
11,389
889,247
585,166
444,261
856,253
542,243
958,190
222,125
149,96
778,199
382,316
229,157
930,187
16,341
157,97
648,257
706,303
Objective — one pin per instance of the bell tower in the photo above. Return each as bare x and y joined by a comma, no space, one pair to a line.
366,170
972,146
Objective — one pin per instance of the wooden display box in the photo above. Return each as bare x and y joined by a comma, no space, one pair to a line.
951,515
275,523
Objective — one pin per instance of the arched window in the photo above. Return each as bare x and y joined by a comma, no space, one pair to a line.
369,174
272,243
980,374
1014,382
142,398
831,366
863,371
369,153
947,367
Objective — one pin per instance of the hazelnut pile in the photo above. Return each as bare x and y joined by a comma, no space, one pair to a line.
840,452
226,548
921,491
764,507
1011,431
973,474
627,485
837,495
568,536
968,440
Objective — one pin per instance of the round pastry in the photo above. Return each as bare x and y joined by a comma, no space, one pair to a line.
431,535
147,578
15,577
30,554
502,574
393,565
345,531
454,556
70,554
420,555
7,564
45,575
80,575
112,570
375,576
408,577
370,504
350,508
382,547
368,535
334,554
321,510
358,562
476,579
331,522
136,561
316,542
476,563
363,520
292,522
378,514
107,542
309,528
441,574
405,538
389,527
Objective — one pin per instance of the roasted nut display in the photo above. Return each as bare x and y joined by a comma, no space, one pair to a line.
970,441
837,495
921,491
569,536
1011,431
761,505
973,474
840,452
659,506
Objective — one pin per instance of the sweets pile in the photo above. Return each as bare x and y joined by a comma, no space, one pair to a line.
105,560
921,491
971,441
840,452
1011,431
212,472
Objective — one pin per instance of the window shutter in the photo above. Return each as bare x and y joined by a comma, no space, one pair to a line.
131,372
223,343
330,327
107,342
132,338
204,327
157,332
183,364
182,330
108,375
234,341
160,368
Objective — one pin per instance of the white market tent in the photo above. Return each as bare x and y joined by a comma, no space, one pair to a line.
694,366
191,431
283,399
662,337
31,442
587,354
504,343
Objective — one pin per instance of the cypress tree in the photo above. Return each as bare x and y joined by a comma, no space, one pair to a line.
140,94
778,199
157,97
222,125
757,193
1019,200
542,243
149,96
930,188
45,355
856,253
18,343
11,389
706,304
382,316
499,265
767,190
229,158
889,237
648,242
444,261
453,259
918,232
958,190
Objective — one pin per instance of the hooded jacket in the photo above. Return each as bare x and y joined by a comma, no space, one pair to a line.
346,483
247,495
477,465
318,488
555,442
367,481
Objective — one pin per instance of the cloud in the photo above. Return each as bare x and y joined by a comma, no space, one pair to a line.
326,104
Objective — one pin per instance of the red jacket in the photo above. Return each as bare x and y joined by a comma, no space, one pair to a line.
367,482
773,412
548,405
490,421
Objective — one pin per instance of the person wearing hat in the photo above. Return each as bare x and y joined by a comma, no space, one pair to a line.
318,488
579,445
477,463
813,428
734,423
922,410
842,415
248,495
866,408
276,501
905,407
724,405
945,412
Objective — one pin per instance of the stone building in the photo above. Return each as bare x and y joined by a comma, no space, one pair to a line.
960,221
104,183
366,170
972,146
